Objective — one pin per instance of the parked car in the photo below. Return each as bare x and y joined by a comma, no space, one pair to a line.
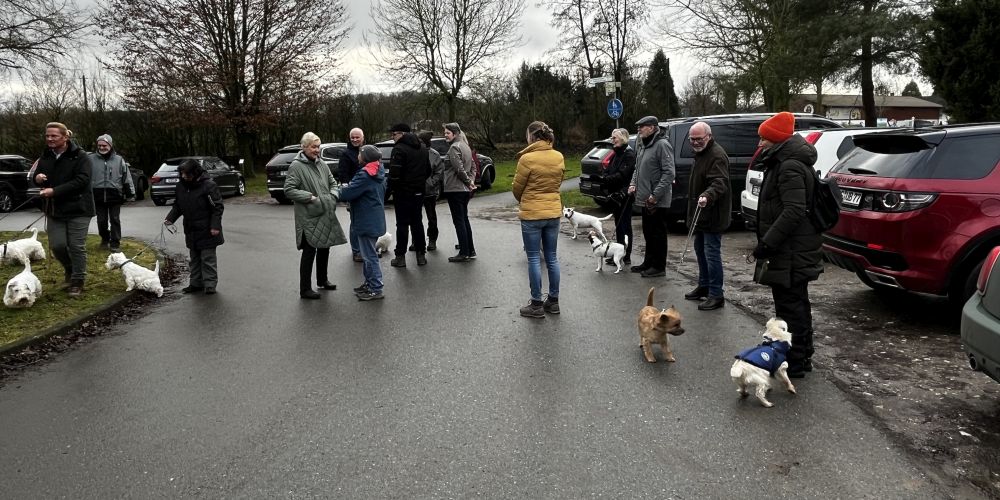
919,209
277,167
163,184
485,173
14,184
831,145
140,181
981,320
737,133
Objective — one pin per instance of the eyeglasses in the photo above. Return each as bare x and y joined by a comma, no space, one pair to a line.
698,139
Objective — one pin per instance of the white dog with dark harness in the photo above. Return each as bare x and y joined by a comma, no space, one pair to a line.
23,250
136,276
605,249
22,289
583,220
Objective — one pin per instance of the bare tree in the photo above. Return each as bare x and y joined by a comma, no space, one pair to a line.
574,20
52,91
616,27
444,45
33,31
224,62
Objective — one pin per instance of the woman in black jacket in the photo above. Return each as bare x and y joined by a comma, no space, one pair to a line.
199,201
616,181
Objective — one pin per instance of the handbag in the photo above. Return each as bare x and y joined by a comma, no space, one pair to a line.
759,270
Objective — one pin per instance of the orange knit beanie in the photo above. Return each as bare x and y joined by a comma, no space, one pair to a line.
777,128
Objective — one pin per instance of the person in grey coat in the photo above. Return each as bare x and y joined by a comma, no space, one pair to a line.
112,184
652,186
432,189
313,189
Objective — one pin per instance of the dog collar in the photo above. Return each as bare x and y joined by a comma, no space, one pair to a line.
570,214
119,266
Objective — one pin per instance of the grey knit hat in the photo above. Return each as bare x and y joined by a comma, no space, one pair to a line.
370,153
106,138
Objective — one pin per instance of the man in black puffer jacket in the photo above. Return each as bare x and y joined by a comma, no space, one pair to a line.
409,168
63,173
788,248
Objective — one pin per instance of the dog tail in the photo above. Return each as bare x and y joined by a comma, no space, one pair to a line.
649,298
608,217
157,268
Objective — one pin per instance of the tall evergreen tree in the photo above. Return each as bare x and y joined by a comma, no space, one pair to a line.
961,57
661,99
911,89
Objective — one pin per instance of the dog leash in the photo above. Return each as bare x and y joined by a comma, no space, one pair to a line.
694,223
15,209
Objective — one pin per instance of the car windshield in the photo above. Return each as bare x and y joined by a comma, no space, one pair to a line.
282,158
167,168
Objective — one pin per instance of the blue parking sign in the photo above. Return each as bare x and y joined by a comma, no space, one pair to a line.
615,109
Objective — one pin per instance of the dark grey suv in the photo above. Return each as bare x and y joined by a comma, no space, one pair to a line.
277,167
14,183
736,133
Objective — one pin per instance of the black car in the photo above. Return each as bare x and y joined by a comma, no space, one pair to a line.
277,166
485,171
736,133
164,182
14,185
140,181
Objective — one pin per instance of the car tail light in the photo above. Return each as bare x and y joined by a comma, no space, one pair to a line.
984,273
154,179
895,201
813,137
606,162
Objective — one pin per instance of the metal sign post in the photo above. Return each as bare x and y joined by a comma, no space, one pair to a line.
611,87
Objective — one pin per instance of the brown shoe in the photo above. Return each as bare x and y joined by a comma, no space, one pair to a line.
75,288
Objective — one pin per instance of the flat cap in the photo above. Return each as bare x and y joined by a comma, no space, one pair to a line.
400,127
647,120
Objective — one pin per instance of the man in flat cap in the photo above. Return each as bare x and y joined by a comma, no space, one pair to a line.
652,186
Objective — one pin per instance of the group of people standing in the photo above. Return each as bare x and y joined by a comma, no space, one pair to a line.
417,175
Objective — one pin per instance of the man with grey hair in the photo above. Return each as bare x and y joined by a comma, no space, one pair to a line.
709,208
112,184
347,167
652,186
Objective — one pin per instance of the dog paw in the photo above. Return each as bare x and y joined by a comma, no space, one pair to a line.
791,389
767,404
670,359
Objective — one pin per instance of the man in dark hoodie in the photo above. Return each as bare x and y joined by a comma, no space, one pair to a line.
409,168
63,173
788,248
347,167
112,184
199,202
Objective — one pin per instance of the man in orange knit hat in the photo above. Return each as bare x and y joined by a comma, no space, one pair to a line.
788,246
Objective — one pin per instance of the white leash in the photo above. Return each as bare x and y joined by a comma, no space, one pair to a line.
694,222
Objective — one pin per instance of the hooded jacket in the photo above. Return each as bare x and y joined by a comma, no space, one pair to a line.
409,166
459,170
768,355
316,220
540,172
783,224
432,187
109,176
366,195
654,170
69,178
201,205
710,178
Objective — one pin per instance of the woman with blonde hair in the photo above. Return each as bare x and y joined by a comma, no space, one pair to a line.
459,180
540,172
616,179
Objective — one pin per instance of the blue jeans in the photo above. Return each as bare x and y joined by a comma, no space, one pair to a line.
541,236
371,267
708,249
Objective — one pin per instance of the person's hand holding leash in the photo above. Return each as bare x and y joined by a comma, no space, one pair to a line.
702,201
762,251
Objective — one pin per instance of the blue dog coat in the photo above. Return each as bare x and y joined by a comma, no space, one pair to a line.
768,355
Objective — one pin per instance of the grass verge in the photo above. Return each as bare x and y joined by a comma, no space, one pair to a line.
506,169
54,306
257,185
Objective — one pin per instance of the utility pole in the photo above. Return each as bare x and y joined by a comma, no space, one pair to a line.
85,108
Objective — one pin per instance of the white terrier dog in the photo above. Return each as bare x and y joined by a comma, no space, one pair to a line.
383,243
583,220
756,365
605,249
23,289
23,250
136,276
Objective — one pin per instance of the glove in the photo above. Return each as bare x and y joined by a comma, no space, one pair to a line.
762,251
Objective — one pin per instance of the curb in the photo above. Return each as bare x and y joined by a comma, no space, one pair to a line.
66,326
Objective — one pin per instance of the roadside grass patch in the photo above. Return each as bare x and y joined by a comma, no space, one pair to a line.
54,306
257,185
505,174
573,198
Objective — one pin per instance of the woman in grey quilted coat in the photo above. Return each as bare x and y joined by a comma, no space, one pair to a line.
311,186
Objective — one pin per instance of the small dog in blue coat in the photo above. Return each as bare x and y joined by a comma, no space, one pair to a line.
757,365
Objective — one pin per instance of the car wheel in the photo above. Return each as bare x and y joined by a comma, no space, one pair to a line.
159,202
141,190
965,286
486,180
6,201
241,188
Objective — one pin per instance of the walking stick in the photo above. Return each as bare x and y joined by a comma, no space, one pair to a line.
694,222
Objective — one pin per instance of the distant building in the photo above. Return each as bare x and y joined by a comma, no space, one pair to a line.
889,109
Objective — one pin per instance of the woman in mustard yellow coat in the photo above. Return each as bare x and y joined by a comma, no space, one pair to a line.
540,171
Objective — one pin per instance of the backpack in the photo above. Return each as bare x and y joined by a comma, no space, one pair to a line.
825,210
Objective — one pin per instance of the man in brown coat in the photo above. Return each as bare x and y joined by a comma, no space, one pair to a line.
709,210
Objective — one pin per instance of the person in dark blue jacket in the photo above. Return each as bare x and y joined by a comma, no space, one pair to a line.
366,195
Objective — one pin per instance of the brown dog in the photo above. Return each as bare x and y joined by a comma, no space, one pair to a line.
654,325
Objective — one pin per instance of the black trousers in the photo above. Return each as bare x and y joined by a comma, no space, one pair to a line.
654,231
792,305
623,227
409,222
430,206
309,254
109,213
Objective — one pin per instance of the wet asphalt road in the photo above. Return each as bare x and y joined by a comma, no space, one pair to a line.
441,390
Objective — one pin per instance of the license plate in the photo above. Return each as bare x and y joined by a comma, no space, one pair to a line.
851,198
282,173
172,180
755,190
585,185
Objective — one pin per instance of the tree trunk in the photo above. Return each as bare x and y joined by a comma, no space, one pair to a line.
245,140
867,84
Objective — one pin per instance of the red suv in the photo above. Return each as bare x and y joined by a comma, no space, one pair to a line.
921,208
